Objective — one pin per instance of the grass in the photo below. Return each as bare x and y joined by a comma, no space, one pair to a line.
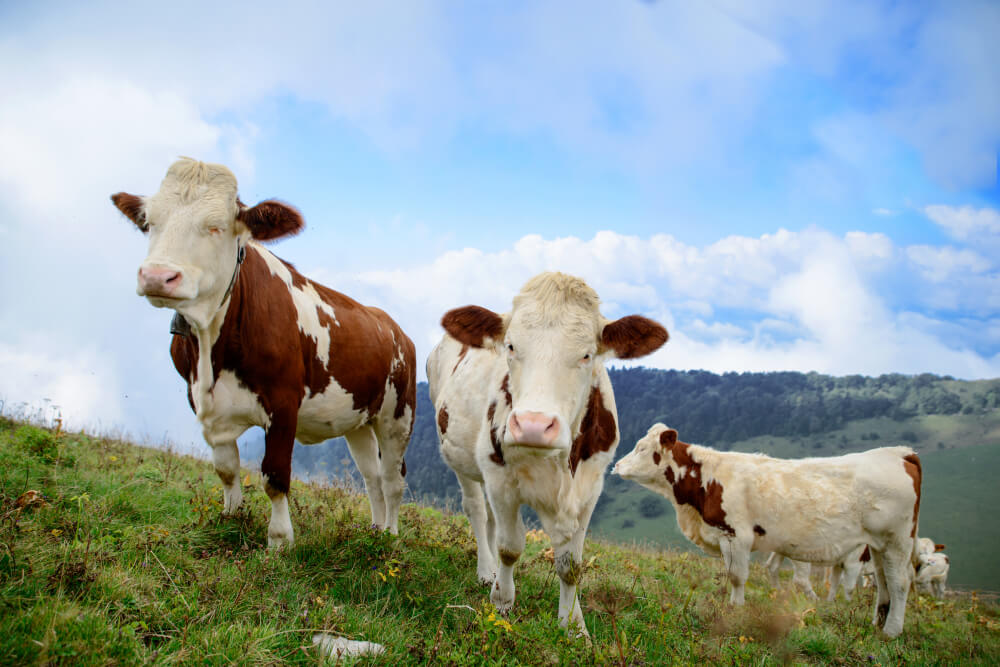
112,553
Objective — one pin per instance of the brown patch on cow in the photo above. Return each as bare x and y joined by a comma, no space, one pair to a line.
633,336
656,458
947,560
255,344
689,490
939,547
132,207
461,355
598,431
472,325
669,474
271,219
759,530
505,388
866,555
443,419
497,455
508,558
911,463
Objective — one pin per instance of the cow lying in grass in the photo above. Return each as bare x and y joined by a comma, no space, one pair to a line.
815,510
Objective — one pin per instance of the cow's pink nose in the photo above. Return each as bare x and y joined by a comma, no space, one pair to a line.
533,428
157,281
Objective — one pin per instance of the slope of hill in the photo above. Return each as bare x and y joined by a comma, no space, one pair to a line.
111,553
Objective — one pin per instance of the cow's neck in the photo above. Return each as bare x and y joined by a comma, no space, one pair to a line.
205,327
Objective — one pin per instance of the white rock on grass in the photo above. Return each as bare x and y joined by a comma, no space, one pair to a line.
342,647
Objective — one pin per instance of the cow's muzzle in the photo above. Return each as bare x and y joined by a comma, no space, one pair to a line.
159,281
532,429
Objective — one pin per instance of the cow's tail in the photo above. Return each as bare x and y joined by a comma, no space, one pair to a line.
911,462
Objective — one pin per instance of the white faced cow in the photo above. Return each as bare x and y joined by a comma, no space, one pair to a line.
816,510
525,409
259,344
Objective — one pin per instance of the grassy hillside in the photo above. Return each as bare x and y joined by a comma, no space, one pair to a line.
111,553
959,494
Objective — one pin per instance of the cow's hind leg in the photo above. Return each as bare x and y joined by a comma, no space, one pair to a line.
835,578
800,578
226,459
480,518
896,564
773,565
364,450
882,591
393,436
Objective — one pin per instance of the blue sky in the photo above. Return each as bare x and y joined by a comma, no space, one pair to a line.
803,186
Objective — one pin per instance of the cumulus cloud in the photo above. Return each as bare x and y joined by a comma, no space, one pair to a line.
791,300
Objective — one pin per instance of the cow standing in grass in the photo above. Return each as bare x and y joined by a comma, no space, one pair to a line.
815,510
261,345
525,409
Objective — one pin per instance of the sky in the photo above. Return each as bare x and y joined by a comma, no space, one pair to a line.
785,185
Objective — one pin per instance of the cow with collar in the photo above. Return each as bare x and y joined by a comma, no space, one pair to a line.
816,510
261,345
525,410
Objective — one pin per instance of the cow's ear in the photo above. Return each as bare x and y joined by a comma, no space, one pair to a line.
270,219
133,207
939,547
668,438
632,336
473,325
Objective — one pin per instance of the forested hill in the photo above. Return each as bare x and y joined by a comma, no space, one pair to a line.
955,425
786,413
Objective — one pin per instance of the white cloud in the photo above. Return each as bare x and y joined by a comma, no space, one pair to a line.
939,264
966,223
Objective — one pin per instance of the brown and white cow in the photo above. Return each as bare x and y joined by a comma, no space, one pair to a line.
525,409
815,510
259,344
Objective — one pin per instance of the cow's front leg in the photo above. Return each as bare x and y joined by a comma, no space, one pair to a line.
569,567
477,510
510,545
226,459
276,469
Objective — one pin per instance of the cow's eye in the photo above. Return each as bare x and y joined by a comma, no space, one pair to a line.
586,357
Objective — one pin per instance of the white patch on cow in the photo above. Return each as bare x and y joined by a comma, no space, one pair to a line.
308,304
328,414
227,408
279,530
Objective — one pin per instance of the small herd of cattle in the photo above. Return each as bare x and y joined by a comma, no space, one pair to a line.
524,408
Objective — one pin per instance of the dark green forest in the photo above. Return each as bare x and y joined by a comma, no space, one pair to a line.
820,414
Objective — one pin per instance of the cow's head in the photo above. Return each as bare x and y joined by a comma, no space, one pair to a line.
555,341
648,462
197,228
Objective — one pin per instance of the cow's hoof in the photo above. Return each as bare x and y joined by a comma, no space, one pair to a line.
279,543
500,601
